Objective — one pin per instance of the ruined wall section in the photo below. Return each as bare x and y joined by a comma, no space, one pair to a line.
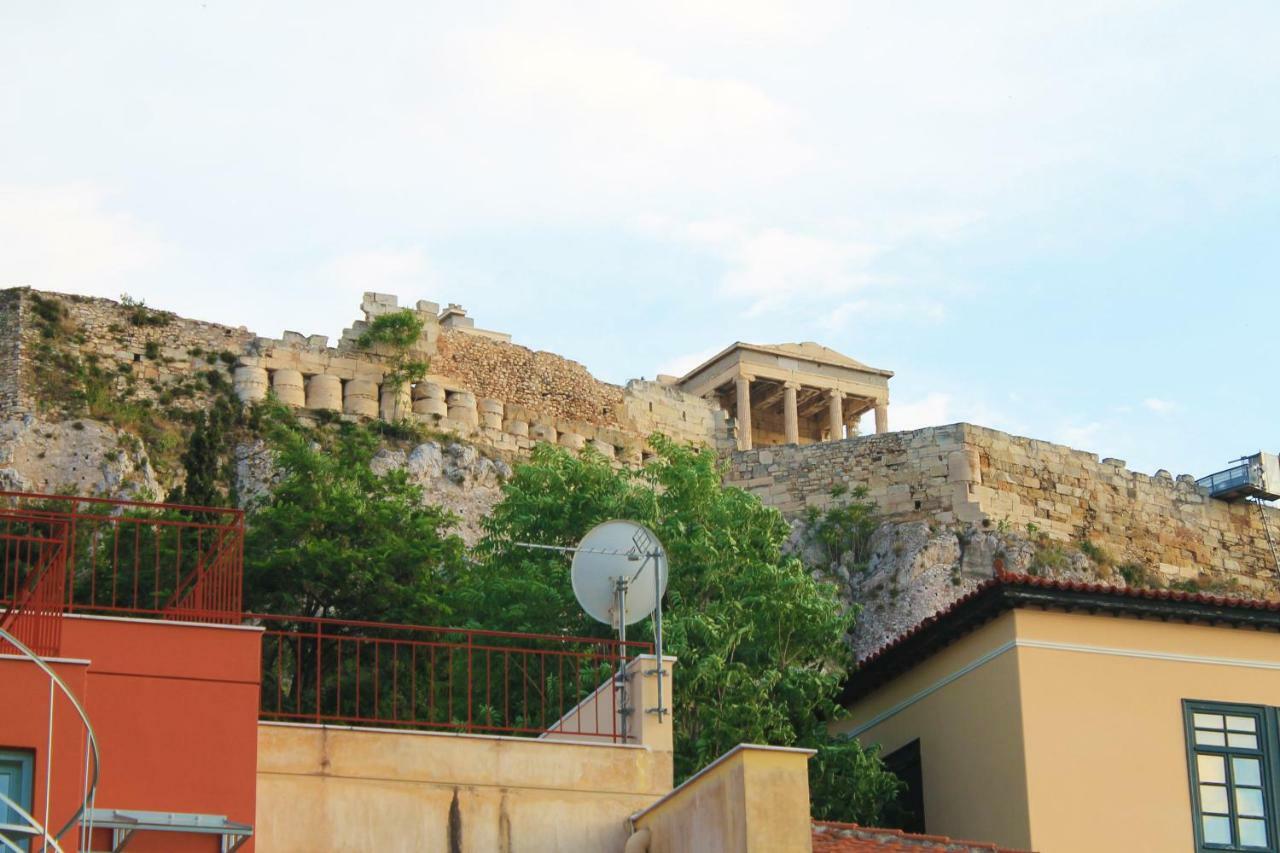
651,407
496,394
962,475
14,401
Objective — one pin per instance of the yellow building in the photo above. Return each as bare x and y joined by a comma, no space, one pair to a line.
1067,717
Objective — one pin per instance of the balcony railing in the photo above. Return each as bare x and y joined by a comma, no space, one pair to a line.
404,676
128,557
63,554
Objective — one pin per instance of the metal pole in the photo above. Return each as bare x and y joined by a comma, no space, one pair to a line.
657,624
622,654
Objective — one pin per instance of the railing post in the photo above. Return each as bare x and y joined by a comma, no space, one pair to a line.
319,625
71,561
469,681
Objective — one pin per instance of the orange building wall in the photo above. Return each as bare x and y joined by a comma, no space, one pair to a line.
175,709
24,725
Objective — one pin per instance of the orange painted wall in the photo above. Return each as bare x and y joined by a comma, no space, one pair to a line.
175,708
24,725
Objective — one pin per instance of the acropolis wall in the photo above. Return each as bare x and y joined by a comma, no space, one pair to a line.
968,475
480,386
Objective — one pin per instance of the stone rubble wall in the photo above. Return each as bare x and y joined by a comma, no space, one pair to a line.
13,399
158,353
968,475
498,395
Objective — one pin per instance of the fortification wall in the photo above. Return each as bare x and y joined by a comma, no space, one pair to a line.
964,474
481,387
13,402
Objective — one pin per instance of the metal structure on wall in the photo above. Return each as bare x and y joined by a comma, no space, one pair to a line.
619,576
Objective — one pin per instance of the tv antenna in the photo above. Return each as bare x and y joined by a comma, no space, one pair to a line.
619,577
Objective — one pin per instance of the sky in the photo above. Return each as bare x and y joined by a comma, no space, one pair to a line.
1056,219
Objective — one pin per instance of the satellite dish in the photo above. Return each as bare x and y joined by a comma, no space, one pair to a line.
618,554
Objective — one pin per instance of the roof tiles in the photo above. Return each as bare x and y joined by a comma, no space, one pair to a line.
832,837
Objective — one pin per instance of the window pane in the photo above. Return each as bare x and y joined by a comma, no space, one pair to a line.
1210,738
1217,830
1213,768
1208,721
1249,802
1242,741
1247,771
1242,724
1213,799
1253,833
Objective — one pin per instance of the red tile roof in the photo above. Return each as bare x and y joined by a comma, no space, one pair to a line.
1007,590
831,837
1008,579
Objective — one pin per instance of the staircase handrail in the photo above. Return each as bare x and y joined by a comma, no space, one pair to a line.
92,738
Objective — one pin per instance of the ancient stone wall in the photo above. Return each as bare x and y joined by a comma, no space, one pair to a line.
481,387
13,400
153,349
967,475
651,407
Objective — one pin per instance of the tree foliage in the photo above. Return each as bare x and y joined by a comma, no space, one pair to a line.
760,643
333,538
399,331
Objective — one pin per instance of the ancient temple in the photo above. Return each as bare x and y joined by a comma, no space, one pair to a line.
791,393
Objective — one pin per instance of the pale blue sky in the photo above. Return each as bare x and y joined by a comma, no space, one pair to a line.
1058,219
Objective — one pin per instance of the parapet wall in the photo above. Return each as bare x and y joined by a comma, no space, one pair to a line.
480,386
971,475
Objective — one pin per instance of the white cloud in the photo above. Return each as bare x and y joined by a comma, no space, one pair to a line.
937,408
381,270
917,309
1080,436
682,364
769,268
934,409
1160,407
68,238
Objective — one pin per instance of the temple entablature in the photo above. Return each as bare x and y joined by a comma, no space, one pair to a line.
800,393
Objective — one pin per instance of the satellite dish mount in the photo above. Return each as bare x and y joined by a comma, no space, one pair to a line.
619,577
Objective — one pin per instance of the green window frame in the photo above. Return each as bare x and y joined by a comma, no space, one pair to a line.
1232,761
16,779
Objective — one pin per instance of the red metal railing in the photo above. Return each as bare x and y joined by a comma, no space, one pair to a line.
374,674
94,555
136,557
34,579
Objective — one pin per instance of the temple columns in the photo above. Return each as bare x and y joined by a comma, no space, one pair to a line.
790,415
835,408
744,411
882,417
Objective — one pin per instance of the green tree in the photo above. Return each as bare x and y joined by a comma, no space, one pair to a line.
760,642
333,538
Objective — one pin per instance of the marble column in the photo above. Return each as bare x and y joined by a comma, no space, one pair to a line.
744,411
835,408
882,417
790,413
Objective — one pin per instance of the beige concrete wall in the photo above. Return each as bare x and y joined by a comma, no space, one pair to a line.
329,788
601,712
1102,710
1066,732
753,799
970,729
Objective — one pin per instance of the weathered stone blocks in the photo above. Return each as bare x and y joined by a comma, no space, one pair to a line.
462,408
490,411
324,392
394,403
360,397
250,383
288,387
